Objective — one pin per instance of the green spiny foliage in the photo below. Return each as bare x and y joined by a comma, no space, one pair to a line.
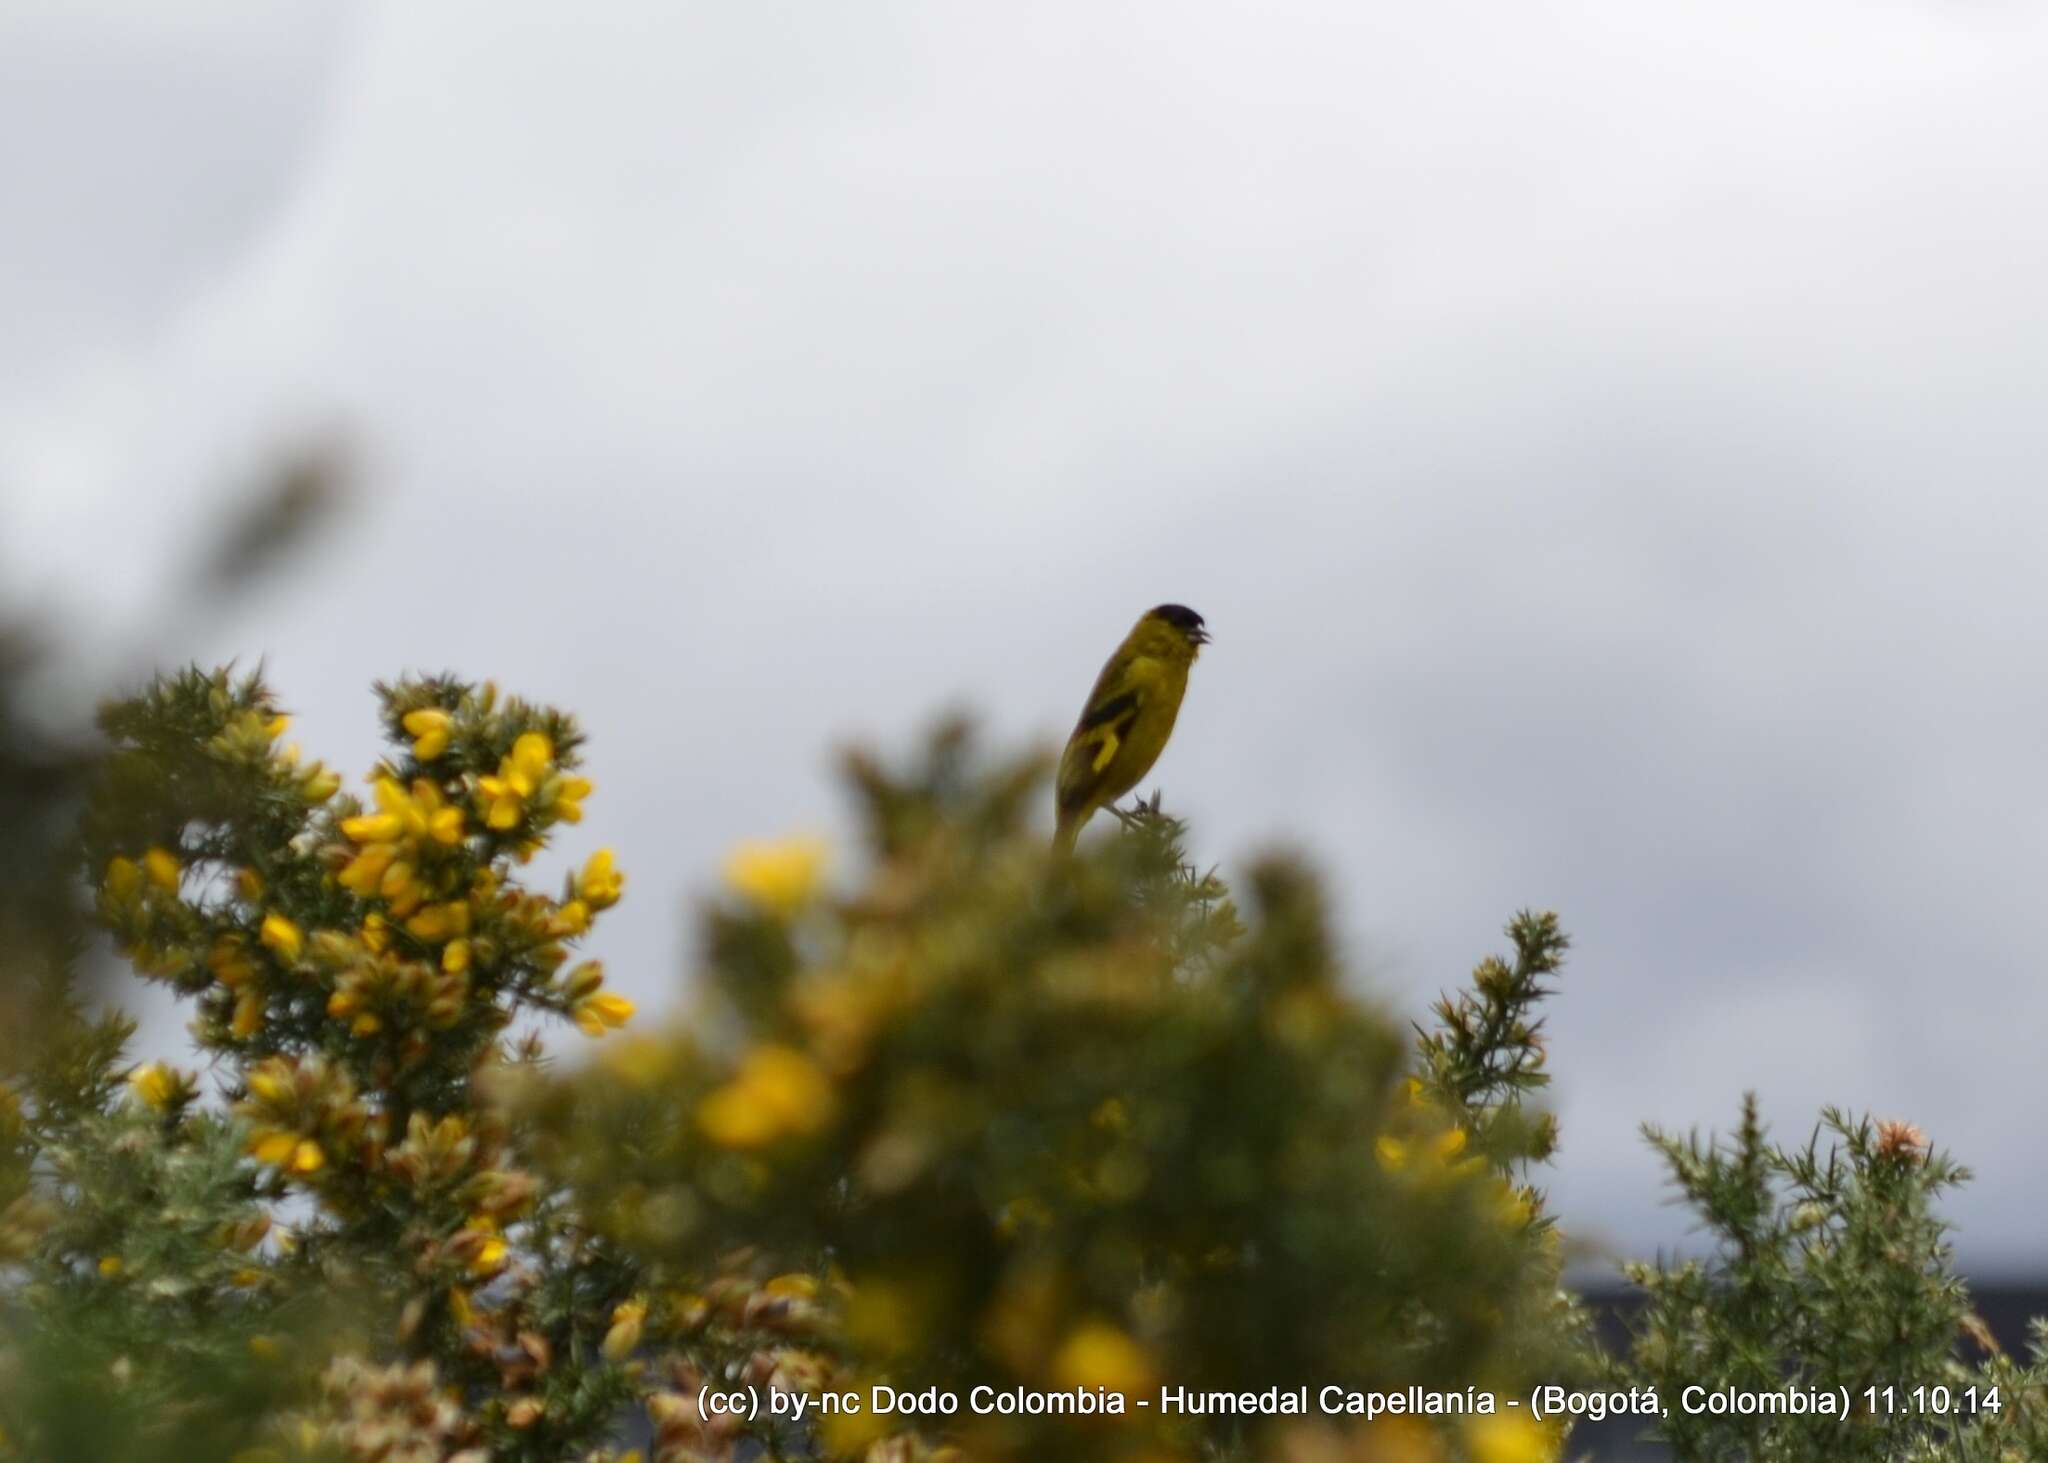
343,1253
1831,1270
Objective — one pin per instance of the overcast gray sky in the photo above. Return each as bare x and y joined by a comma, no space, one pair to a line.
1605,438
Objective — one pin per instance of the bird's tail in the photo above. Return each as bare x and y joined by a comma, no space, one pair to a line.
1063,837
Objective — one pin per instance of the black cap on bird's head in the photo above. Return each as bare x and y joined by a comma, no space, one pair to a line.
1185,620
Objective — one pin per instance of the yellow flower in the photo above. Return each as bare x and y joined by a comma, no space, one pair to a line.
778,1092
162,867
569,795
428,728
320,784
623,1339
490,1254
307,1157
365,872
582,979
519,775
455,958
229,962
779,876
572,918
438,923
372,828
276,727
248,1017
272,1145
398,885
111,1265
603,1012
281,935
156,1084
730,1117
600,883
1391,1152
444,825
1513,1204
1099,1355
1509,1437
404,817
532,755
124,879
272,1081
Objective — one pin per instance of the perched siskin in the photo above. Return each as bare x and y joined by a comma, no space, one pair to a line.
1128,718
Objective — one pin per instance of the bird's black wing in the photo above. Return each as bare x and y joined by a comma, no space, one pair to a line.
1093,746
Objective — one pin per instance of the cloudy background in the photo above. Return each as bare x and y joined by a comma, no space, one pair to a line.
1605,438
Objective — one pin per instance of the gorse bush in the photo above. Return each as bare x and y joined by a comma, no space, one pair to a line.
954,1118
1095,1132
965,1122
354,969
1832,1287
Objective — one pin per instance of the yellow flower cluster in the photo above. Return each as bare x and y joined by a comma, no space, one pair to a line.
629,1321
481,1244
1427,1152
527,778
302,1113
603,1011
429,727
374,983
1510,1437
281,936
1439,1156
160,1086
435,1151
139,899
596,888
779,1092
360,966
779,876
159,872
1097,1354
412,829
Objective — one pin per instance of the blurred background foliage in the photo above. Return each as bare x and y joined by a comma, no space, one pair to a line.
977,1122
940,1114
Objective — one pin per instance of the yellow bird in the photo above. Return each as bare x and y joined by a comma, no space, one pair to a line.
1128,718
